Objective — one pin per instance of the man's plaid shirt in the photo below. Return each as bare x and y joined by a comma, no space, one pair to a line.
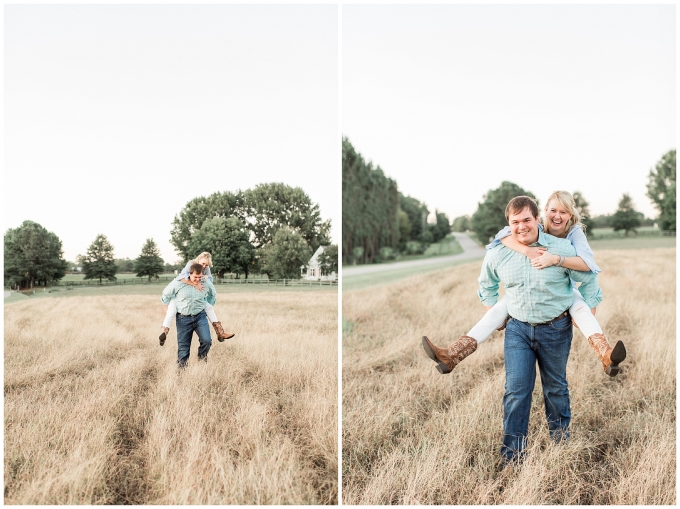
188,299
533,295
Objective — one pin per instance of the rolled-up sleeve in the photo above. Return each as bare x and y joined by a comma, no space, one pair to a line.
211,298
488,282
580,242
168,293
589,289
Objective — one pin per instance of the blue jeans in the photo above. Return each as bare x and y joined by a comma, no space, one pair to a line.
186,325
525,345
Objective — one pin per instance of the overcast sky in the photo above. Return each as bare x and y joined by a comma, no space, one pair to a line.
117,115
451,100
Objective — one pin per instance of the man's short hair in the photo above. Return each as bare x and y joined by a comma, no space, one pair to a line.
518,204
196,268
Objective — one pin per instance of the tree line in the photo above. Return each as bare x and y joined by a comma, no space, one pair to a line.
126,265
378,221
272,229
489,217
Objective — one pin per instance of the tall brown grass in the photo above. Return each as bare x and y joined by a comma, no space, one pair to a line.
97,413
413,436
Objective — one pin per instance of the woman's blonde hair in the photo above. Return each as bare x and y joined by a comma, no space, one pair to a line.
205,255
565,199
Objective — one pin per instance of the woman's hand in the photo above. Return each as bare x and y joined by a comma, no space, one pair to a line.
507,319
534,252
198,285
545,260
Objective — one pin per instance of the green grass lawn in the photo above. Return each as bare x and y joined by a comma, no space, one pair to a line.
131,276
610,231
632,242
383,278
446,246
156,289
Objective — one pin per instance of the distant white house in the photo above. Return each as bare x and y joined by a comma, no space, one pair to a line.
313,271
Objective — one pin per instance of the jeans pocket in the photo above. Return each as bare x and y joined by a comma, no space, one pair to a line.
562,324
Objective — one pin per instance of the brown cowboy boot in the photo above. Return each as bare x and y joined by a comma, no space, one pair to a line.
610,357
164,332
449,358
221,335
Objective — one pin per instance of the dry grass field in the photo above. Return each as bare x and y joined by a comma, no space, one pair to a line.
96,412
413,436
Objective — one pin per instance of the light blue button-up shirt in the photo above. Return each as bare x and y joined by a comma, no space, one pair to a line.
533,295
188,299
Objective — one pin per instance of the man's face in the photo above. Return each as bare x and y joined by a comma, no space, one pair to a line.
524,226
195,278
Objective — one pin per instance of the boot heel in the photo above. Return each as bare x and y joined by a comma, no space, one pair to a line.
618,353
443,368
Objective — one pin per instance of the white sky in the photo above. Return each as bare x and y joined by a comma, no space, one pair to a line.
116,116
451,100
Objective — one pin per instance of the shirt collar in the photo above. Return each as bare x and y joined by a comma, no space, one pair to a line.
542,239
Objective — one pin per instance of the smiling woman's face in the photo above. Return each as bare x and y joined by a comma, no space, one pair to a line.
557,217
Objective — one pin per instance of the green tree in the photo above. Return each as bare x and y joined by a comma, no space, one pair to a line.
196,211
426,237
32,254
626,217
404,229
124,265
328,260
370,205
582,207
490,215
149,262
661,190
417,214
286,254
441,228
461,224
99,262
228,240
602,221
263,210
270,207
